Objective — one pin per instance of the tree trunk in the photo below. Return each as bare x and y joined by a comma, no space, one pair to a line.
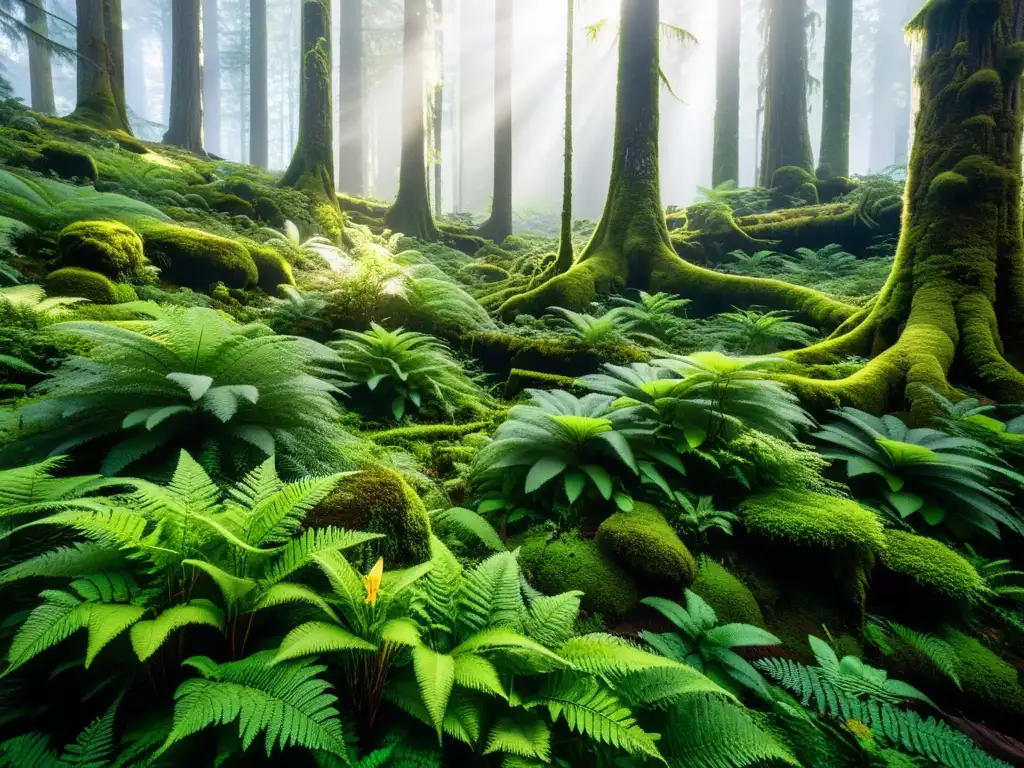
565,247
211,75
834,158
114,30
185,128
41,74
410,213
351,160
726,155
956,294
499,225
438,121
631,246
259,136
97,104
786,141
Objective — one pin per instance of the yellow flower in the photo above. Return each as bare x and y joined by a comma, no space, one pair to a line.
372,582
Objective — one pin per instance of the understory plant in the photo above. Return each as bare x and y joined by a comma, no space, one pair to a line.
924,475
663,315
615,327
187,378
753,332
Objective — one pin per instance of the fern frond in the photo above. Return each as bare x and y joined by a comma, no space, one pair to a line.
105,623
286,593
552,619
148,636
302,550
59,616
435,675
31,750
95,744
77,559
472,523
935,649
613,657
490,595
478,674
318,637
526,735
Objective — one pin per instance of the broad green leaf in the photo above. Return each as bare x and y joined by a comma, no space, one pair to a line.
544,470
435,675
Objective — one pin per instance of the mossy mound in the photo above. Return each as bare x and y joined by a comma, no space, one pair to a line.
791,181
570,562
195,259
108,247
932,566
644,544
86,284
732,601
66,162
379,501
272,267
813,520
986,678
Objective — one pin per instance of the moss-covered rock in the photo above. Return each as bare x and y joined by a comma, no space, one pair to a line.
791,181
66,161
732,601
570,562
86,284
108,247
379,501
932,566
643,543
986,678
196,259
272,267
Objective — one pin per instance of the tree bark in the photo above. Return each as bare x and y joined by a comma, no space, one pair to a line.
566,252
631,247
786,141
956,294
351,160
185,127
499,225
40,72
312,165
410,213
834,158
211,75
259,135
726,154
98,105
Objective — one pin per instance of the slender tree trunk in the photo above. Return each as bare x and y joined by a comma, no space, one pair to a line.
726,154
351,160
259,136
211,76
312,165
410,213
185,127
40,72
786,140
114,30
834,158
565,247
438,105
499,225
97,104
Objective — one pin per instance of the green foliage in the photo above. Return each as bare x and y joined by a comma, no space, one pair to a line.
613,328
187,378
987,678
731,600
758,264
890,638
643,543
108,247
299,314
699,517
707,646
932,565
923,473
1000,576
751,332
662,315
407,371
812,266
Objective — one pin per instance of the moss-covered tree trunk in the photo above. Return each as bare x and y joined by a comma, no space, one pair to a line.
566,254
259,136
312,165
350,107
725,161
499,225
955,299
40,72
185,125
97,103
631,245
211,72
786,141
834,158
410,213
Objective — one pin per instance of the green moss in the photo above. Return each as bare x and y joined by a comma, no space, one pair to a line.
813,520
520,379
515,243
948,188
272,267
847,645
570,562
986,678
644,544
108,247
195,259
732,601
379,501
982,91
931,565
224,202
427,432
488,273
66,161
86,284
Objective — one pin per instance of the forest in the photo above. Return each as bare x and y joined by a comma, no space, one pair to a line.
512,383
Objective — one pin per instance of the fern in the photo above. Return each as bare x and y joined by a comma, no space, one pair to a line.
526,735
315,638
148,636
941,654
490,595
552,619
94,746
469,522
435,675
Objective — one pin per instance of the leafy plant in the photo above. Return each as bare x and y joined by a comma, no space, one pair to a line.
191,379
815,266
615,327
759,263
660,314
699,517
924,472
887,636
407,370
298,313
707,646
751,332
1001,576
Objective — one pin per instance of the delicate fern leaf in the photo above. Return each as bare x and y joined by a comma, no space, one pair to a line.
233,589
551,619
347,584
490,595
936,650
78,559
401,632
707,732
318,637
592,709
468,521
59,616
100,523
277,519
302,550
601,654
106,622
527,735
504,640
148,636
478,674
287,593
395,583
461,720
286,701
660,687
95,745
32,750
435,675
441,587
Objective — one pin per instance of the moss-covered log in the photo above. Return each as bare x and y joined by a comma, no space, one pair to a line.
956,294
834,158
631,245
